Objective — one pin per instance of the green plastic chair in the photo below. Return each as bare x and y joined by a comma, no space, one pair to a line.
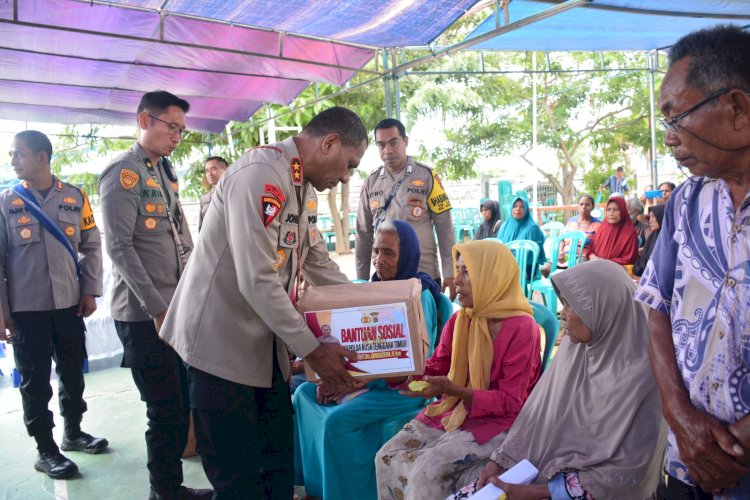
551,230
325,224
575,253
526,252
551,326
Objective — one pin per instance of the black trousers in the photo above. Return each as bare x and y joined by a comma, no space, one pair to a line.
161,378
244,436
40,337
677,490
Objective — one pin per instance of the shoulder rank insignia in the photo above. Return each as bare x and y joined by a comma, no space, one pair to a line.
69,199
296,166
128,178
151,183
18,202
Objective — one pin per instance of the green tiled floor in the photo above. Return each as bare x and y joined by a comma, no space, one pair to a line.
115,412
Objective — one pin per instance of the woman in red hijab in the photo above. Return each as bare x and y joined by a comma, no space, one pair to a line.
616,239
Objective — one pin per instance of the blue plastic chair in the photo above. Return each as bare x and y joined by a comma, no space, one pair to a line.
526,252
551,231
549,322
575,251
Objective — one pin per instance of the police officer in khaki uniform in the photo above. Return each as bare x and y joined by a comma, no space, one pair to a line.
148,240
403,189
51,271
214,168
234,327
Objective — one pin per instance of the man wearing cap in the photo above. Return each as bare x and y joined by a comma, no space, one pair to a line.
51,271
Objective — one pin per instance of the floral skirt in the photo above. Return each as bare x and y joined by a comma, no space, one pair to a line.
421,462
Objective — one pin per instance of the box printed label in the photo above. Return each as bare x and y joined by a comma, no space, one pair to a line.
378,334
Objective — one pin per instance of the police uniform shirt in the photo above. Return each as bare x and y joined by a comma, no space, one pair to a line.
205,202
37,272
233,302
138,235
420,201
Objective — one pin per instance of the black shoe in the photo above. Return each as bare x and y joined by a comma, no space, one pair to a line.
85,443
55,465
183,493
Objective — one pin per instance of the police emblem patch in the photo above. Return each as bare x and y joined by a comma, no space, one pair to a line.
70,230
374,204
280,259
275,191
69,199
18,202
290,238
24,220
151,183
25,233
128,178
417,211
150,223
271,208
150,207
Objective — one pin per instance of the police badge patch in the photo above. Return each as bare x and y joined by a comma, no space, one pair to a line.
271,208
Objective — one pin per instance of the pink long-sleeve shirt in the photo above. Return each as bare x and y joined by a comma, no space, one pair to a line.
516,367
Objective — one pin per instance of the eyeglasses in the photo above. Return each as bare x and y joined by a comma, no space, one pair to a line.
172,127
672,125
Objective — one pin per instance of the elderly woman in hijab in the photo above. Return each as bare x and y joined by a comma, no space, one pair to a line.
339,433
484,368
593,425
616,239
521,226
490,211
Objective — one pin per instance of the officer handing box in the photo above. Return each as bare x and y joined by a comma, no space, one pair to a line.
383,322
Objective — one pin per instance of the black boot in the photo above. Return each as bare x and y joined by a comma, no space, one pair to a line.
55,465
183,493
83,442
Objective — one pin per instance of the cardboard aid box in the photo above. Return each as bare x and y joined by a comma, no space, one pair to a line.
382,322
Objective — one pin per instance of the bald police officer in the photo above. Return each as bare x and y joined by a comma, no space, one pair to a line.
233,328
403,189
51,271
148,241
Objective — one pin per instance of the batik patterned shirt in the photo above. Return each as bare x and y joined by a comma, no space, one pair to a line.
699,275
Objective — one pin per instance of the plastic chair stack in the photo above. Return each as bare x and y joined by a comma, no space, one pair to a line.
544,286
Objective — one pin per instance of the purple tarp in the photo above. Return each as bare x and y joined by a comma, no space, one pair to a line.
79,62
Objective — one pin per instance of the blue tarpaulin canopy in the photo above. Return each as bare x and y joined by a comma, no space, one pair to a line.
609,24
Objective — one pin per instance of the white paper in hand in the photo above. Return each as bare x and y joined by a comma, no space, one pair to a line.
521,473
